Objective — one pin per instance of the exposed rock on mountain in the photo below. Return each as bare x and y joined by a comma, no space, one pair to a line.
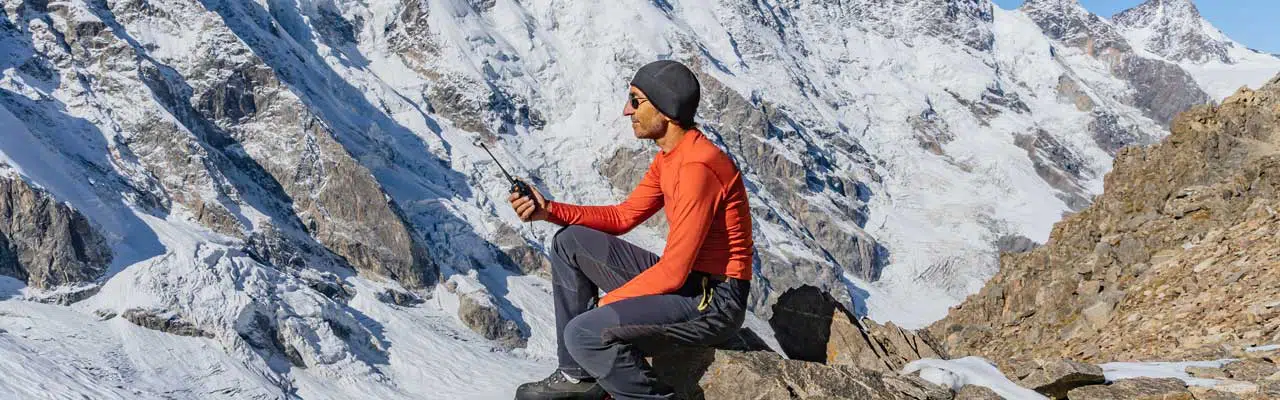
44,242
163,321
479,312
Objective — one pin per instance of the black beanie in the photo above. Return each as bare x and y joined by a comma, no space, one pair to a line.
671,87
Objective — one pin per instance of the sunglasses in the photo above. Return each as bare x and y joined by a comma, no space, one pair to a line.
635,102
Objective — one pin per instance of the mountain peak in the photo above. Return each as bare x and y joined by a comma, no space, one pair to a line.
1071,23
1053,5
1174,29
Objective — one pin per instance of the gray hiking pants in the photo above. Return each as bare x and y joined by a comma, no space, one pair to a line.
601,342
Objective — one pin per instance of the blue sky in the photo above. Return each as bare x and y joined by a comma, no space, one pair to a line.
1250,22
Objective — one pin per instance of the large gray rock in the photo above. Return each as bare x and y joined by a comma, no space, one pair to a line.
478,311
760,375
163,321
44,242
811,325
1057,377
1134,389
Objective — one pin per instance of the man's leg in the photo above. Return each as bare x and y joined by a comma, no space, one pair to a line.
583,261
617,364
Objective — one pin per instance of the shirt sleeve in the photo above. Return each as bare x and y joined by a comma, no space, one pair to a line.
644,201
695,201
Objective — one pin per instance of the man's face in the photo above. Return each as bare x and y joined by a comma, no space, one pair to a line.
646,120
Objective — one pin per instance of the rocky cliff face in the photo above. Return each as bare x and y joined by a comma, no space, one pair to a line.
1174,261
44,242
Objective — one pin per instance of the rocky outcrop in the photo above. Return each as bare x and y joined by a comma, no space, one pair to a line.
1054,378
44,242
399,298
972,392
163,321
1059,166
811,325
827,356
1251,370
478,311
725,374
1174,261
1134,389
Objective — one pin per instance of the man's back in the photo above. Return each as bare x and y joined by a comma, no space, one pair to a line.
727,248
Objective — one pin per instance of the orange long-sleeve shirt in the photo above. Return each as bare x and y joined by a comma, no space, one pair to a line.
705,201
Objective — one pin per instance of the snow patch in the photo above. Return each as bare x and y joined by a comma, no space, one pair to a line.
957,373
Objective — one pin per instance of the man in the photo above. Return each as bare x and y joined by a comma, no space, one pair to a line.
695,294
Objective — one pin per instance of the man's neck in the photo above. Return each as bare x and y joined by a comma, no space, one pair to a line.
669,140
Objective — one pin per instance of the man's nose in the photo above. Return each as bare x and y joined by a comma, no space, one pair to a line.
627,110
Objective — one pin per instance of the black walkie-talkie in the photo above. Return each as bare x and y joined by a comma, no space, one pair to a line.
517,186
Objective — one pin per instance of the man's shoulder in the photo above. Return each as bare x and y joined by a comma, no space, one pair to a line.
707,153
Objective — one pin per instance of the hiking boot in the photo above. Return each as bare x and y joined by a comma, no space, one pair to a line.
558,386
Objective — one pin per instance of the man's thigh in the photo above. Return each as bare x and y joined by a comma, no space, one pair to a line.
606,260
642,317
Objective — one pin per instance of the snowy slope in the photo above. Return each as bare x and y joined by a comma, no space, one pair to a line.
218,145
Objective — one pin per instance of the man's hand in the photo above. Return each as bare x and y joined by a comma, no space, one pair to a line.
534,209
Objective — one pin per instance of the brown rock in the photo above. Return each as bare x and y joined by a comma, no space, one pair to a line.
1236,387
1206,372
1250,370
734,375
1202,393
45,242
1056,378
974,392
1134,389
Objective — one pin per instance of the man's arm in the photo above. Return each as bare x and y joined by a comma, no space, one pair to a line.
619,219
697,195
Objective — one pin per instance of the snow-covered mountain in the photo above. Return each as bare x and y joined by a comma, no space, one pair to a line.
1175,31
293,205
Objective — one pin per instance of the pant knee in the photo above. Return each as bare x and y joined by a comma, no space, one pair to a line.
582,337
